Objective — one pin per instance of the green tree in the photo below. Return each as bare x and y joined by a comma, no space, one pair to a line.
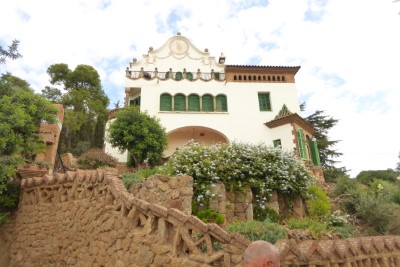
322,124
85,104
398,165
19,125
367,177
140,134
11,52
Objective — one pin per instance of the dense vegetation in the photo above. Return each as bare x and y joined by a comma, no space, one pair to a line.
19,138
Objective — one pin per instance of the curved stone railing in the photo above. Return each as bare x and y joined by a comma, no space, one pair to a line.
177,76
377,251
157,236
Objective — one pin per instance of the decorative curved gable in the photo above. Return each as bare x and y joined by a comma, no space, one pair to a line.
178,53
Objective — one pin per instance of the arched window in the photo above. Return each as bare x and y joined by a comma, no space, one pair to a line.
283,78
234,77
207,103
179,102
189,76
240,77
193,102
165,102
222,105
178,76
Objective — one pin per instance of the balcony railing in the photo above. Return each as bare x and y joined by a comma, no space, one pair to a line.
177,76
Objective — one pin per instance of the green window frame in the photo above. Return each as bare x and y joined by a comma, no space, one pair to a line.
179,102
135,102
277,143
193,102
264,101
301,144
207,102
222,105
165,102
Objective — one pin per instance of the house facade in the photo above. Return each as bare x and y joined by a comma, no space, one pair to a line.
197,96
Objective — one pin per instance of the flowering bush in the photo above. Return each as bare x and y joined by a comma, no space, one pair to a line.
337,218
239,166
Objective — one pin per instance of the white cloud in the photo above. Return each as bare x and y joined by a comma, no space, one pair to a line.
348,52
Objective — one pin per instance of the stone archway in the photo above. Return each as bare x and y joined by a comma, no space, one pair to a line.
180,136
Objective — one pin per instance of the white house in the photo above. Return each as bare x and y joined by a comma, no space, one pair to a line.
197,96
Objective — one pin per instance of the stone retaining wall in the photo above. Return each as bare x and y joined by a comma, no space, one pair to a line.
87,218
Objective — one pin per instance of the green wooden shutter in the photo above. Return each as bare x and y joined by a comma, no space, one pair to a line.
264,101
208,103
165,102
302,146
179,102
222,105
193,103
315,153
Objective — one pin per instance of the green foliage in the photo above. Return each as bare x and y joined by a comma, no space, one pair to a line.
318,206
10,197
131,178
256,230
239,167
139,133
19,125
366,177
343,185
85,104
3,217
210,216
11,52
96,158
377,213
316,228
265,213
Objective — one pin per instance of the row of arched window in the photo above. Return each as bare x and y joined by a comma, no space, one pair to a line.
193,102
259,78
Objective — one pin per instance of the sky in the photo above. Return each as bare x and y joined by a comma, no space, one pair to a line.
349,53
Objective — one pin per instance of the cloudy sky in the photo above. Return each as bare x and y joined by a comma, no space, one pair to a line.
349,52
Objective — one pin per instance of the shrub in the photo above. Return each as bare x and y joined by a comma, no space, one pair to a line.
343,185
264,213
96,158
255,230
210,216
316,228
377,212
130,178
317,203
239,166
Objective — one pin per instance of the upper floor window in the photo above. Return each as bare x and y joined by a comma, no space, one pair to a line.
165,102
193,102
135,102
264,101
179,102
207,103
222,105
